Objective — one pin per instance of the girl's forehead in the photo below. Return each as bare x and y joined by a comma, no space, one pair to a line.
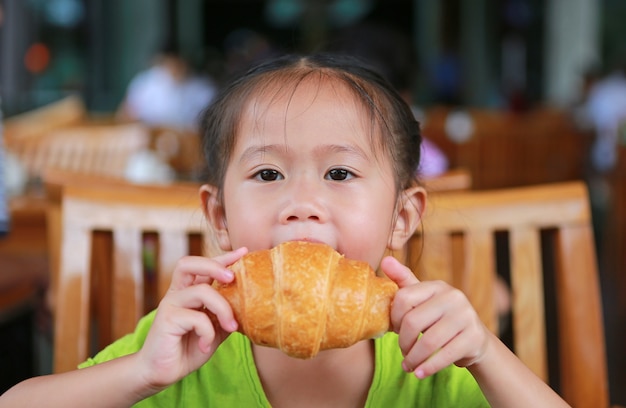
328,106
306,114
293,97
309,90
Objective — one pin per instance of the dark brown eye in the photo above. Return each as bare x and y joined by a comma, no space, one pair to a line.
269,175
339,174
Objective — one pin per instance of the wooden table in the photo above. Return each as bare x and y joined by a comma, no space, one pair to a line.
23,253
23,282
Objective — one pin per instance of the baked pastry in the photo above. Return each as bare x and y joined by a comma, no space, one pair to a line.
303,297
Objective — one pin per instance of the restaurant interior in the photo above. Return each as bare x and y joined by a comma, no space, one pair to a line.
523,100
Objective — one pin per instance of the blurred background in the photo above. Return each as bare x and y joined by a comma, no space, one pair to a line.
486,53
518,92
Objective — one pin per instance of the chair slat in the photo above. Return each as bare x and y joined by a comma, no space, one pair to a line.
527,300
173,246
72,298
479,275
581,345
434,267
128,295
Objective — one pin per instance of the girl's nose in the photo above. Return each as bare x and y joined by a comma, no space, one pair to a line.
304,203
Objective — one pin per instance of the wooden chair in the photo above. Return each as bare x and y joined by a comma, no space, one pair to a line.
67,111
452,180
540,238
92,149
181,149
63,134
103,241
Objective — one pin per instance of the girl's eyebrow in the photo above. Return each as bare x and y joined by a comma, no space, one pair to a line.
349,149
255,151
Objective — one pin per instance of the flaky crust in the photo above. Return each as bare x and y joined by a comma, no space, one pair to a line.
303,297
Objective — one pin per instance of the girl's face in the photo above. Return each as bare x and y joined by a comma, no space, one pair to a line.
304,168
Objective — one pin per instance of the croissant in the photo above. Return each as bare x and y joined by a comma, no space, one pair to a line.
303,297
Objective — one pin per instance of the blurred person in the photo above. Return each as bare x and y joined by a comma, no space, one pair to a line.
606,111
168,93
578,109
603,111
389,51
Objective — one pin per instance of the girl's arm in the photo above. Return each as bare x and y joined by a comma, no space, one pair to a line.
111,384
182,338
437,326
507,382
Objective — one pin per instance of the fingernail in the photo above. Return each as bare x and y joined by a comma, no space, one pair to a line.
420,374
228,274
205,346
233,325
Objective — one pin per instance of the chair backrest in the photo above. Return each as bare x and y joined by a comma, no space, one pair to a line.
540,239
456,179
180,148
111,234
103,149
65,112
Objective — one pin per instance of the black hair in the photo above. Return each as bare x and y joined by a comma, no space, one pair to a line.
398,131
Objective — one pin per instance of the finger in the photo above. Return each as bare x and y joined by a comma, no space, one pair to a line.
186,321
442,358
398,272
426,305
432,341
192,270
410,297
196,321
454,325
204,297
225,260
231,257
411,328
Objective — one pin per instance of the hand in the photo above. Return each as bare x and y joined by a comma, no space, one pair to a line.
182,336
436,324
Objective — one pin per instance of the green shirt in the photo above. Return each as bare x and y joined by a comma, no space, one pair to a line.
230,379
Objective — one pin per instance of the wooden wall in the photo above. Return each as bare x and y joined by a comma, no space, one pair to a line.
509,149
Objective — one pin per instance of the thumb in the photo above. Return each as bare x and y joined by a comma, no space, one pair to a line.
398,272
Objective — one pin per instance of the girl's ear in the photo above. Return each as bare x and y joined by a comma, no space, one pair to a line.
411,206
215,215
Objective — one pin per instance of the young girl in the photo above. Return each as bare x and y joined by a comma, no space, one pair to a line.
303,148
